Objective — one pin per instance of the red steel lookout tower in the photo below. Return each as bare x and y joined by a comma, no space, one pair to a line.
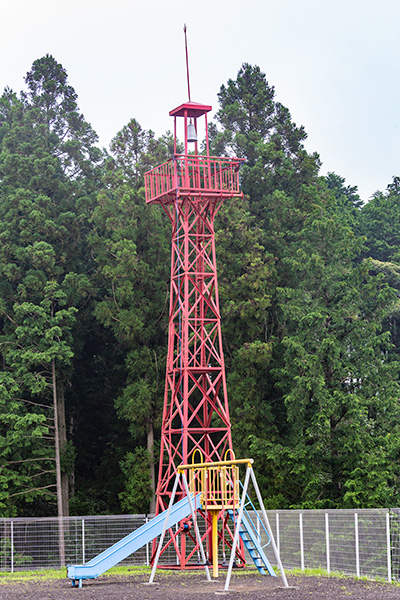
191,188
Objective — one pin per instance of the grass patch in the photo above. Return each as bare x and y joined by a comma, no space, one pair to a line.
44,574
136,571
27,576
337,574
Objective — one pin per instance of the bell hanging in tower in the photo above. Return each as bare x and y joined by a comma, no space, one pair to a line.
191,132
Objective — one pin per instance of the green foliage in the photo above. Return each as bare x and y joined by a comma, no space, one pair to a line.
256,127
130,244
19,559
48,166
380,224
135,498
136,151
24,454
309,383
308,287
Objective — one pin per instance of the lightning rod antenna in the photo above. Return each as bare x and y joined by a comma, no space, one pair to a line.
187,62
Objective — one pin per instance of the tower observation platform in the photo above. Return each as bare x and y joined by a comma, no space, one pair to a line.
193,174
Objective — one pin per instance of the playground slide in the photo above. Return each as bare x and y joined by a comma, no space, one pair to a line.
132,542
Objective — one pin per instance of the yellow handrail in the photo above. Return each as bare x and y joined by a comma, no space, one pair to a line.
222,463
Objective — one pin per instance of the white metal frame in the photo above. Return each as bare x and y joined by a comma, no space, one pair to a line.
249,473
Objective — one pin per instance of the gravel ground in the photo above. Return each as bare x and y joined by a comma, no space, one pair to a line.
193,586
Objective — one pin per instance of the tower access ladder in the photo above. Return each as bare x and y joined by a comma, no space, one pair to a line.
252,539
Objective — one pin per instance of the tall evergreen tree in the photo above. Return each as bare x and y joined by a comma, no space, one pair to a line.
278,178
339,389
305,402
48,173
131,246
379,223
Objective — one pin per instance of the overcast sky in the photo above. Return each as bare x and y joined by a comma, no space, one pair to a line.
334,63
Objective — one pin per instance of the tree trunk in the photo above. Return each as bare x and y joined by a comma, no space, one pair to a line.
61,540
71,474
62,437
150,449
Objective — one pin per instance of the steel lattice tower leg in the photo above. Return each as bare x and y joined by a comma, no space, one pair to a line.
196,413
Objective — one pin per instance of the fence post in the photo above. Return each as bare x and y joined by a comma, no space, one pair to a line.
83,541
301,541
12,546
389,557
278,545
357,544
328,551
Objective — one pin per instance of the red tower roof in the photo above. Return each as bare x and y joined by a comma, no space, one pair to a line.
194,109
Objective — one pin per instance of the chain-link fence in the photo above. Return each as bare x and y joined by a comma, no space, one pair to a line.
354,542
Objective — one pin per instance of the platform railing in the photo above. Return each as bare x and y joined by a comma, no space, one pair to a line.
193,174
219,485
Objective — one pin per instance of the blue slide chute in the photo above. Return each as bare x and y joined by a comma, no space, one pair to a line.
132,542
